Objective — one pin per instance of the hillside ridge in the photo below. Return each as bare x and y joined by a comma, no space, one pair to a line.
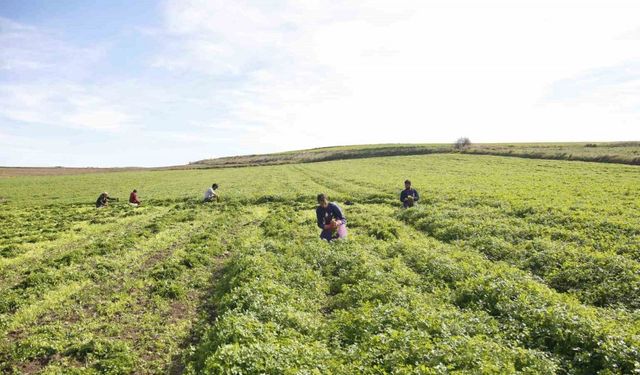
603,152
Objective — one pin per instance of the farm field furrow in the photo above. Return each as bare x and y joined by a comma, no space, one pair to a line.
31,279
505,266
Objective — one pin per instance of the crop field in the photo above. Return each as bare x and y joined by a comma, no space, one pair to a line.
506,265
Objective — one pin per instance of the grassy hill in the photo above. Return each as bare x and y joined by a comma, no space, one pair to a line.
612,152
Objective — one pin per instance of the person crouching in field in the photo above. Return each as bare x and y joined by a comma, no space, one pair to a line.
330,219
210,194
103,200
133,198
408,196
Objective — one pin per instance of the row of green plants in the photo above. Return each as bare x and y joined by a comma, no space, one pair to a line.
588,340
136,303
37,224
388,299
566,255
29,280
397,302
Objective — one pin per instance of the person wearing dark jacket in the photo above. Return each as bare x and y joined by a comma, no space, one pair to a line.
103,200
330,219
408,196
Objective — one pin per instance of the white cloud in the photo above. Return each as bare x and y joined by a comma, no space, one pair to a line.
28,49
417,71
616,88
44,82
631,34
100,119
61,105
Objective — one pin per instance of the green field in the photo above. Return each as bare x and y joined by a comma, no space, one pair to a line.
507,265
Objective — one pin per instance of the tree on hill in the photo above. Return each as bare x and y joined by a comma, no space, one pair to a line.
462,143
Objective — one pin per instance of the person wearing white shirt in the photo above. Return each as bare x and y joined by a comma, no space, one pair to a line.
211,194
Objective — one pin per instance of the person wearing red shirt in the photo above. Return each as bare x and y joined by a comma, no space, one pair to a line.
133,198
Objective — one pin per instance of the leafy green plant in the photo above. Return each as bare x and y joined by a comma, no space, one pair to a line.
506,265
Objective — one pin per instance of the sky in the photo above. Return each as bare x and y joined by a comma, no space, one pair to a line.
156,83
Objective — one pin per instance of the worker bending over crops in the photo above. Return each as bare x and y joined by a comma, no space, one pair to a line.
103,200
330,219
408,196
133,198
211,194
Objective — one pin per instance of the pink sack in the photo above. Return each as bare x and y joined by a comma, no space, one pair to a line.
342,231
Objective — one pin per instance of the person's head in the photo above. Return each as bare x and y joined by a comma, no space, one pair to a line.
214,186
323,201
135,191
407,184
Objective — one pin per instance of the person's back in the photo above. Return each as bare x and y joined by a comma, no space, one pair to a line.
133,197
209,193
101,201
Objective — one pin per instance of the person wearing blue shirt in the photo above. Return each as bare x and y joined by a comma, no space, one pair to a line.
330,219
408,196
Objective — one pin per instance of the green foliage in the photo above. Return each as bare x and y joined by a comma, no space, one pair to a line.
505,266
106,356
568,254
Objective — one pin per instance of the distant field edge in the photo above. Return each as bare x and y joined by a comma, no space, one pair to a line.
615,159
627,152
